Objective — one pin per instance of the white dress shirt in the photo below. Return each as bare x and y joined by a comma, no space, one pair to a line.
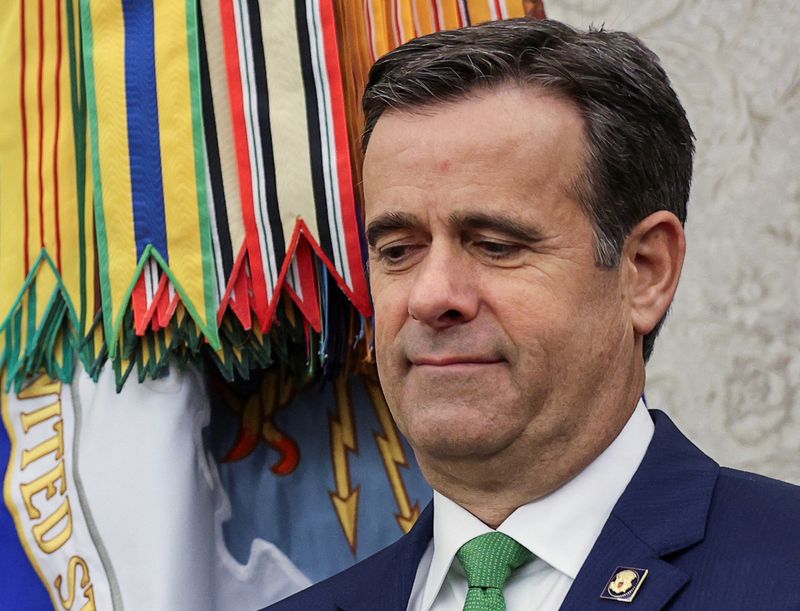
560,529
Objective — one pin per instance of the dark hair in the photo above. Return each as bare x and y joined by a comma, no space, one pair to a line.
639,151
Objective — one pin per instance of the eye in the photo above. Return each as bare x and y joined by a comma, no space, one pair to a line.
395,252
497,250
397,255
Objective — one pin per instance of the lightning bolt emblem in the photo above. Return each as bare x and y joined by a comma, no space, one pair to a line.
343,439
393,456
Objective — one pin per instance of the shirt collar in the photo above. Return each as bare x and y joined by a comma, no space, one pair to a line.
560,528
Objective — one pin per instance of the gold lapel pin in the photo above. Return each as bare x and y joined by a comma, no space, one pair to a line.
624,584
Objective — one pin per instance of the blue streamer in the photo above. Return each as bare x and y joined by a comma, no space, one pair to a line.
144,143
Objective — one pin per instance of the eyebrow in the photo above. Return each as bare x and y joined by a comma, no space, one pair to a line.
501,224
390,222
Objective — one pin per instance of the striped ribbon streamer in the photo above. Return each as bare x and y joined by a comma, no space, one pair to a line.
145,117
278,156
47,296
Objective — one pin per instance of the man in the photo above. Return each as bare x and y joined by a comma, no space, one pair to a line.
525,194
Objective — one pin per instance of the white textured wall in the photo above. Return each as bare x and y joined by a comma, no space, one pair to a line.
727,365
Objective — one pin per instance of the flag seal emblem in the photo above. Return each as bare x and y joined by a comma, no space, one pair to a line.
624,584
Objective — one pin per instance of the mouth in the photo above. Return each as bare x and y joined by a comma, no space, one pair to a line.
452,362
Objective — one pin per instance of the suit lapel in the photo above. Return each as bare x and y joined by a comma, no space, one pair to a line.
387,585
619,547
662,511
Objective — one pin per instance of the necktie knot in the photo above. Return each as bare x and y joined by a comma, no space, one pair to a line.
489,559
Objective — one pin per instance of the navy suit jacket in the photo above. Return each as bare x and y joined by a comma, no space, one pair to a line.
711,538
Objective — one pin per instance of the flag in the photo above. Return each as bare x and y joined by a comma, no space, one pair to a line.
180,192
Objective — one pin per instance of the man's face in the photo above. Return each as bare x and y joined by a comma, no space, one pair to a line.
494,326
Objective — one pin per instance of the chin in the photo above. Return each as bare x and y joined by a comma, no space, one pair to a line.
449,437
464,449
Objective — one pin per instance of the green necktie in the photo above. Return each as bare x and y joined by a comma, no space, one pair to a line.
488,561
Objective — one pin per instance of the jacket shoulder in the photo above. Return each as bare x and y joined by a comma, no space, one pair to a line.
322,596
386,575
750,554
756,481
763,511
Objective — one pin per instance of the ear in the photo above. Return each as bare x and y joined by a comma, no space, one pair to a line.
653,258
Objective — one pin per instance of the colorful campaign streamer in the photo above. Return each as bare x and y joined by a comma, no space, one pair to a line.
171,170
47,296
279,144
145,116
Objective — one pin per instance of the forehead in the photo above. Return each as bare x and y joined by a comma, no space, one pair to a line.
518,141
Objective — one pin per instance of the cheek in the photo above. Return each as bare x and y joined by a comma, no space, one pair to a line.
556,318
530,313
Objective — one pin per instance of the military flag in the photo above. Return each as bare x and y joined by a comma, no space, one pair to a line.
179,200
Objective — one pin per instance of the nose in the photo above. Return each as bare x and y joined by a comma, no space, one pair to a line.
444,292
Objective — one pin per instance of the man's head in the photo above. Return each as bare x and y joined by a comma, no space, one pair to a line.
515,271
639,145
